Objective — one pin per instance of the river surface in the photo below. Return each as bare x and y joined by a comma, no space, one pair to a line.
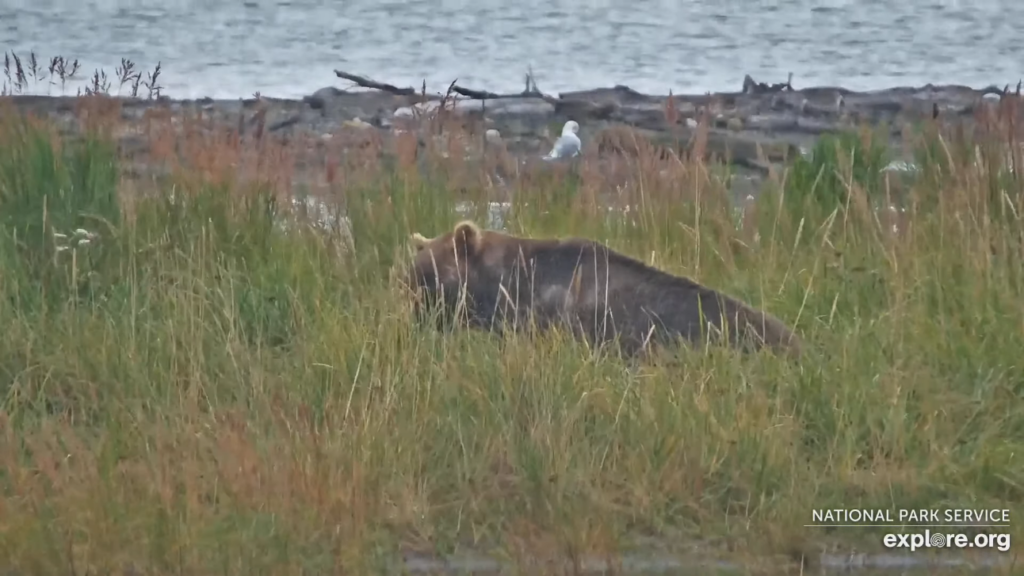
289,48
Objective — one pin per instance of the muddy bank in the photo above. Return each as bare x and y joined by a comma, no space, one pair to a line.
759,125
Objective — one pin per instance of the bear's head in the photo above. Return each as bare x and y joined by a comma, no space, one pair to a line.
452,269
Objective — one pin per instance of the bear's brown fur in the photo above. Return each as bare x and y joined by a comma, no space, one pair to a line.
503,282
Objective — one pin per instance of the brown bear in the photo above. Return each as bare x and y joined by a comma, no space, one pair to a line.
500,282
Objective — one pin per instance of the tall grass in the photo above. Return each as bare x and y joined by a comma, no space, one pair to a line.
199,389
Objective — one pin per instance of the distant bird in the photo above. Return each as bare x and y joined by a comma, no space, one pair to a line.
496,163
568,144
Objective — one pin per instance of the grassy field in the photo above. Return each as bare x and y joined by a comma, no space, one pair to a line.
191,388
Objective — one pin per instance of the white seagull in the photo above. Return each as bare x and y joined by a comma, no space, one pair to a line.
568,144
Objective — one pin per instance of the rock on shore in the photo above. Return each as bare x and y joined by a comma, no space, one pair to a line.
760,125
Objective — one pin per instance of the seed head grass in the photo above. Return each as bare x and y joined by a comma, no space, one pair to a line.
190,386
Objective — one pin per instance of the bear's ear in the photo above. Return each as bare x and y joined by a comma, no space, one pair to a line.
467,237
419,241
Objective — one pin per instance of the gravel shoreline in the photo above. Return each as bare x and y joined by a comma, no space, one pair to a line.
755,128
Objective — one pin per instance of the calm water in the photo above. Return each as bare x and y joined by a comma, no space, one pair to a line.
233,48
